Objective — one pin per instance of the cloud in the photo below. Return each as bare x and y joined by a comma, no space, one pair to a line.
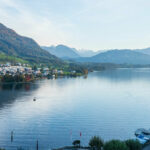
25,22
91,24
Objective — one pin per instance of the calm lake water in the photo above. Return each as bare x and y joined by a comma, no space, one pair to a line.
111,104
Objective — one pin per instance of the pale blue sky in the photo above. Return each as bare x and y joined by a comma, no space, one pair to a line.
83,24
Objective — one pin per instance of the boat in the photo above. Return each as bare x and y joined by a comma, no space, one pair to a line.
142,139
142,135
34,99
142,131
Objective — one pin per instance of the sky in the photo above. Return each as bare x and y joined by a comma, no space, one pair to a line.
82,24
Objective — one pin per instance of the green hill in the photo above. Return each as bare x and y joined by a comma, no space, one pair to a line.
13,44
12,59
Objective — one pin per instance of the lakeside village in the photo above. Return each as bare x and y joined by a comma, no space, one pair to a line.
26,73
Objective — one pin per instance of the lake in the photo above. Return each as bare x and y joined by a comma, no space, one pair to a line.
111,104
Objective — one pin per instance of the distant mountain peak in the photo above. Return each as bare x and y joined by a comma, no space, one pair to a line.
62,51
61,45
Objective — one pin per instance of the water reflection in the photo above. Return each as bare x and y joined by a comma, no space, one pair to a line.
124,74
112,104
10,92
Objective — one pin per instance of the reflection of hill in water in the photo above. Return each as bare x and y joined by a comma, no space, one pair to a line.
10,92
123,74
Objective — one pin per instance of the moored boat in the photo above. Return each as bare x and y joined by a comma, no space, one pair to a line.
142,135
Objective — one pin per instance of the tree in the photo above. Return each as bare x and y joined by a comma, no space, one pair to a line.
96,143
133,145
115,145
76,143
20,148
41,70
34,68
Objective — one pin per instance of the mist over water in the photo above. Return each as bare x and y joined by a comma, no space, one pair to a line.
111,104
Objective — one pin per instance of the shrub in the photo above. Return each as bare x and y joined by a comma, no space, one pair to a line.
133,145
20,148
96,143
115,145
10,78
76,143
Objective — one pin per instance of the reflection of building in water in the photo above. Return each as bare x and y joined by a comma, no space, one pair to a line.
10,92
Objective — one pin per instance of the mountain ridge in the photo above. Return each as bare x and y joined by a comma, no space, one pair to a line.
14,44
62,51
116,56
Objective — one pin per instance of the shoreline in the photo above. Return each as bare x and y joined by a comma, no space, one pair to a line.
37,79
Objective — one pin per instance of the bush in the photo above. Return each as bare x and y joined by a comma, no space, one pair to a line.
76,143
10,78
96,143
115,145
133,145
20,148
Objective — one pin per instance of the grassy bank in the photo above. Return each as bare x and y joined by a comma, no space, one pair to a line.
12,59
96,143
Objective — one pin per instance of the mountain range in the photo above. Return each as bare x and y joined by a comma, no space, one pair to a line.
13,44
144,51
116,56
